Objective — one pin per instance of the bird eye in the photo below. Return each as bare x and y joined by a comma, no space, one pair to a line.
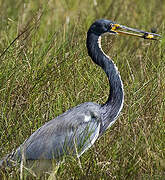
111,25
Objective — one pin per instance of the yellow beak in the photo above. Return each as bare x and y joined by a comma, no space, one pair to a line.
123,30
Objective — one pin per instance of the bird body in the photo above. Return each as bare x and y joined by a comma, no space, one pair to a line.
76,130
71,132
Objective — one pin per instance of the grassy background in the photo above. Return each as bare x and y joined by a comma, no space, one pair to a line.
46,71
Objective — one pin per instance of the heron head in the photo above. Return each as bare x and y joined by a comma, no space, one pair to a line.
102,26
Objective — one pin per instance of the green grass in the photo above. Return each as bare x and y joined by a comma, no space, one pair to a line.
47,70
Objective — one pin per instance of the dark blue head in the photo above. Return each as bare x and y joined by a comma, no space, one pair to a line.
102,26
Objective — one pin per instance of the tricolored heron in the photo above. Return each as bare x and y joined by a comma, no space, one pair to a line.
77,129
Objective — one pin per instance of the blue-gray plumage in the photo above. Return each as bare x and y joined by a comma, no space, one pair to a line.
77,129
78,126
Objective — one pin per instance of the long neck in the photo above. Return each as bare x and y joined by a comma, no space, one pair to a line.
111,109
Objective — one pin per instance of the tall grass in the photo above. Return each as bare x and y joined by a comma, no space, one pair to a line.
46,70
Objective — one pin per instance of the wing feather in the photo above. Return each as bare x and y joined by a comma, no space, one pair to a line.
72,132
